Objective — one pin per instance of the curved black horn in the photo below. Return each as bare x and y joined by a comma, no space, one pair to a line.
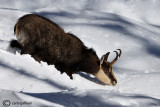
120,52
117,55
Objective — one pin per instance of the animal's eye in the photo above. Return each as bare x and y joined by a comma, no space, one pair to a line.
107,69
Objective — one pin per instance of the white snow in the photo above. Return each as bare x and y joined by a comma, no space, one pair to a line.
105,25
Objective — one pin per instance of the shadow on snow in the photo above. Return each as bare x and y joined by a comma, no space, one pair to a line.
69,99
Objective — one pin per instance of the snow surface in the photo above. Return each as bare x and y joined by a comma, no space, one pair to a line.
105,25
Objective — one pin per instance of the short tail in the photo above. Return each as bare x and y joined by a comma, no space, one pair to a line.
15,44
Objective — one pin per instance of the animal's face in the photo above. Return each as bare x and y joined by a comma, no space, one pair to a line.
105,73
108,70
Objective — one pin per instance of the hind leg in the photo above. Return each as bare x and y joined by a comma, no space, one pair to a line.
15,44
14,47
28,49
37,58
24,50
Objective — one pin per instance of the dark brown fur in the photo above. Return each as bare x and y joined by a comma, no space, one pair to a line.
45,41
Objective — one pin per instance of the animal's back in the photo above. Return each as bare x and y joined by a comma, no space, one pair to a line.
46,41
33,26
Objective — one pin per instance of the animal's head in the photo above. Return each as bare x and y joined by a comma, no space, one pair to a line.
105,73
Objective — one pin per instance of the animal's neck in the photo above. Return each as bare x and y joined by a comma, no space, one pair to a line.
90,63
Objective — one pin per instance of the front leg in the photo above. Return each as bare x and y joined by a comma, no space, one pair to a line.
62,68
70,75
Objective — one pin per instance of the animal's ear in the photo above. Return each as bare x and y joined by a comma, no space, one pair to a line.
104,58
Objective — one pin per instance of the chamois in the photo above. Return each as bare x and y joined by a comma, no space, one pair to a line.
46,41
